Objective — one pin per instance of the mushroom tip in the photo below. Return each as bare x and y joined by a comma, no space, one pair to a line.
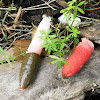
21,89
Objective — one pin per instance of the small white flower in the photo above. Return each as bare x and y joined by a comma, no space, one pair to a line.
62,19
75,23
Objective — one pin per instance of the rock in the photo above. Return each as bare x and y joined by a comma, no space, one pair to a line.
9,53
91,32
49,83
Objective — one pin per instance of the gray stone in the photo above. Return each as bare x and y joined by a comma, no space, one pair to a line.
49,83
92,32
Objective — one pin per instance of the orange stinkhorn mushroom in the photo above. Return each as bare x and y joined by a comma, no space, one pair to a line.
79,57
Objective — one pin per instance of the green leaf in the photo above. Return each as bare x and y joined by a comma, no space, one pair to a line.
42,37
54,49
42,32
54,62
65,62
61,54
46,48
67,27
20,49
65,51
0,2
1,62
50,30
55,52
75,13
70,3
62,46
66,9
81,3
5,36
23,54
49,41
43,45
5,56
80,10
59,64
49,50
52,35
71,7
54,57
74,0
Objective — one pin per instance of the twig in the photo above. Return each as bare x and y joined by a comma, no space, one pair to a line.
92,9
49,5
35,8
54,27
31,8
7,9
11,43
98,20
25,34
18,30
4,17
17,17
3,33
12,16
40,6
1,39
12,35
7,29
24,26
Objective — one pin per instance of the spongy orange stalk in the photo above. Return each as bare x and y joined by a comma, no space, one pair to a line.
79,57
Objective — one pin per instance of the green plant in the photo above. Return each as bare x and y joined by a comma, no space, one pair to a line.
54,42
73,34
12,7
73,6
0,2
70,13
11,59
49,44
5,56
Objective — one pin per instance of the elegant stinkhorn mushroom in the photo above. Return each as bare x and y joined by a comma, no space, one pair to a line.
78,58
30,61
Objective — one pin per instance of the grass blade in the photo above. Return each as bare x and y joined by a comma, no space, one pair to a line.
5,56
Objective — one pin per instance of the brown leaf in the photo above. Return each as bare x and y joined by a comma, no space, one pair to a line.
20,45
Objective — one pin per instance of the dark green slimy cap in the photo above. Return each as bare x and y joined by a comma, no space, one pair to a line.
28,69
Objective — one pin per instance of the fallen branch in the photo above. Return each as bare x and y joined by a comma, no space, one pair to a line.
17,17
6,27
41,6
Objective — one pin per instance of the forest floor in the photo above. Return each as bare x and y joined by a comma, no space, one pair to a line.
19,19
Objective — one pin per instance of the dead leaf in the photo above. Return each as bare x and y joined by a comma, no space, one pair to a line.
20,45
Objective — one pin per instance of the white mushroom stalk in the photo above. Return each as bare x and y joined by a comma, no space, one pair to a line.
35,46
29,65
